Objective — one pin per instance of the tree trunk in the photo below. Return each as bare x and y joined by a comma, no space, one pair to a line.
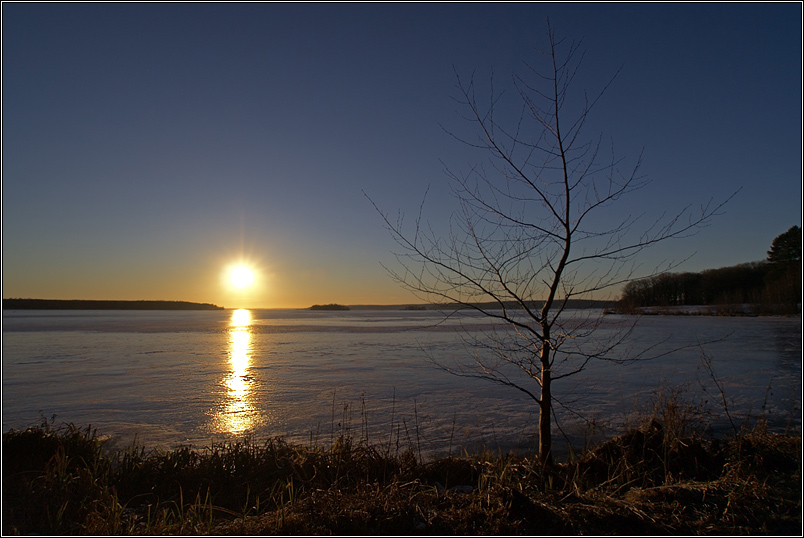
545,438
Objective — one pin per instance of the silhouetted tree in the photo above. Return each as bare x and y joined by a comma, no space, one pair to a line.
527,239
786,248
783,281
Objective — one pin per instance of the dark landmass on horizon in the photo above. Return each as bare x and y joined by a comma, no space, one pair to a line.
572,303
81,304
331,306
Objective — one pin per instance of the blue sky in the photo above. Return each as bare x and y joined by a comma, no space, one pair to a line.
146,147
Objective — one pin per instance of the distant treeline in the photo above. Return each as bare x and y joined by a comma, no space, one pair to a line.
534,305
78,304
572,303
752,283
772,285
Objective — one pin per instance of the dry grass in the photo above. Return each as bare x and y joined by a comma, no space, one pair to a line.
661,477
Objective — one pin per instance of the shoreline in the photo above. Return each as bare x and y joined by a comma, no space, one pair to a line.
725,310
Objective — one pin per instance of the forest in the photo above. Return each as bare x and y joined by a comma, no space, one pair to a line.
770,286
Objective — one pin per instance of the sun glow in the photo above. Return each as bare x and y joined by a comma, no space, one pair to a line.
241,277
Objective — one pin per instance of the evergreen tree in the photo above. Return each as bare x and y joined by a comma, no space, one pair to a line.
786,247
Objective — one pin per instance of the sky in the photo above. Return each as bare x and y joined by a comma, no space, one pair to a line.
149,147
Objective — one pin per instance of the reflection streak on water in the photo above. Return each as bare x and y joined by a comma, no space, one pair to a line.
238,413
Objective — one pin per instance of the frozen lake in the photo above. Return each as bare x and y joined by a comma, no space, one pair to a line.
195,377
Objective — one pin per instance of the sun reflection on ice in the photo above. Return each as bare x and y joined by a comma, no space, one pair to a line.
238,412
241,318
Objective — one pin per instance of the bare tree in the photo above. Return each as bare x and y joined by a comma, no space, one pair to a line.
528,238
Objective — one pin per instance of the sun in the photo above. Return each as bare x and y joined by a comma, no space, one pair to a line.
241,277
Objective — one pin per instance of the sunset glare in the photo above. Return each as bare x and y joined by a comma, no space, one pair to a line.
241,277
